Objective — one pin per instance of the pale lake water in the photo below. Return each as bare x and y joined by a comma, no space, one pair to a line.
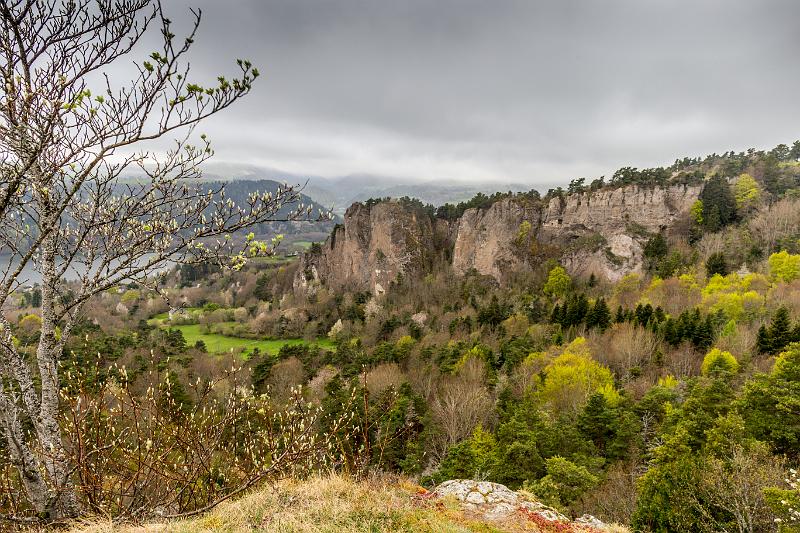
29,275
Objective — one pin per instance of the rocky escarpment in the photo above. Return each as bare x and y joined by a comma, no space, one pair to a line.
493,241
375,244
601,232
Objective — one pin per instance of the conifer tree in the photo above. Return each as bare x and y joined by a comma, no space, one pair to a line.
780,333
763,342
717,264
719,204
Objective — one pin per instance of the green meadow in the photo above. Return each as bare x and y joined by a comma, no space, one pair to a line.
218,343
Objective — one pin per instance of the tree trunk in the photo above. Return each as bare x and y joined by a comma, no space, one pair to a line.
21,455
62,501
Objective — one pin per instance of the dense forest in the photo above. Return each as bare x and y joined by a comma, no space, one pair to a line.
669,400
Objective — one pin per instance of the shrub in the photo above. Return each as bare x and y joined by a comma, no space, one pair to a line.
564,483
160,447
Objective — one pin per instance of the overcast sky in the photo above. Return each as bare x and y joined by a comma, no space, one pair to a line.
529,91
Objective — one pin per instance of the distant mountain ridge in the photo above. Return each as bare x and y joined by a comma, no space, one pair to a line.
341,191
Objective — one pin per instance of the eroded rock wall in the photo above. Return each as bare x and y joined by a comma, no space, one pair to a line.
604,232
601,232
489,240
375,244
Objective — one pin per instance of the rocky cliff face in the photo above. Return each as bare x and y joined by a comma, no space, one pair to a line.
375,244
613,211
490,240
601,232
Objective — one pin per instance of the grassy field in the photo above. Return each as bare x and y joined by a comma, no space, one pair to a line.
216,343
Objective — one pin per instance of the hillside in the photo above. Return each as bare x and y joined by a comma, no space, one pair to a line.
628,351
601,229
337,504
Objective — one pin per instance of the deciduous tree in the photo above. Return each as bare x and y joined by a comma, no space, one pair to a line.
69,137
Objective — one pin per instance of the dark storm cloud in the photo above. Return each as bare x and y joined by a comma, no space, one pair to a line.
513,91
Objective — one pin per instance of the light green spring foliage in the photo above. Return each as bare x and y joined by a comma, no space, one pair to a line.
611,394
697,212
729,330
30,322
742,298
558,282
784,266
129,296
660,292
747,192
572,377
787,365
626,291
735,283
719,361
523,231
668,382
479,352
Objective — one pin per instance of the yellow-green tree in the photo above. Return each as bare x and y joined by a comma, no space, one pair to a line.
572,377
719,361
558,282
697,212
30,324
784,266
747,192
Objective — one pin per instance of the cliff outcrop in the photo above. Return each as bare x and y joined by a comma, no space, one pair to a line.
601,232
492,240
376,243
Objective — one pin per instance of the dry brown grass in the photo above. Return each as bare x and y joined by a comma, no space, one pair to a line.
329,504
332,504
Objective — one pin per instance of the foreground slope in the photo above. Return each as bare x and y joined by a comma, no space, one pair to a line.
338,504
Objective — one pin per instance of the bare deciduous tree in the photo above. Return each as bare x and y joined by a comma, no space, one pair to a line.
463,402
737,482
70,138
776,222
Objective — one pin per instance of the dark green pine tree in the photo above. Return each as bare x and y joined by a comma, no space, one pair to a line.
597,422
620,317
643,314
717,264
703,336
599,316
794,153
671,334
579,310
763,342
555,316
719,204
796,333
780,333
